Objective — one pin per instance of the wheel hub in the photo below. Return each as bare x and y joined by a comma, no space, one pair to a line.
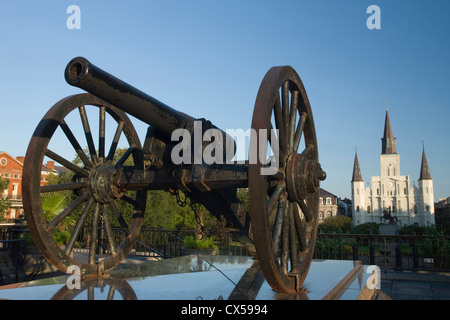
100,181
303,176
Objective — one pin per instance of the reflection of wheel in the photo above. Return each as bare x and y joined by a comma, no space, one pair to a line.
123,287
92,203
284,205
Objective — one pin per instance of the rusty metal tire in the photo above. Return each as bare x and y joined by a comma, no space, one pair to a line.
92,199
284,205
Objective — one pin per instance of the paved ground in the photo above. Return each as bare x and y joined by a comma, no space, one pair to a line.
416,285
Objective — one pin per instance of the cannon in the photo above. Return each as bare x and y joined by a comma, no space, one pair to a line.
283,183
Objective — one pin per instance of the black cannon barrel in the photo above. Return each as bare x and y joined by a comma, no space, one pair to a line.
83,74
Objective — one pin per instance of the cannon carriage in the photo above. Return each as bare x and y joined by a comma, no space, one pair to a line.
283,185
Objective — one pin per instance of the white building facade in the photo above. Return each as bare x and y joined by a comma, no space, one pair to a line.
392,192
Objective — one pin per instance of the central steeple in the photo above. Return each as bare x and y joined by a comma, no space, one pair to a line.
388,140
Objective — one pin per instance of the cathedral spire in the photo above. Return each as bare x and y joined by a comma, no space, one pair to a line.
424,169
388,140
356,170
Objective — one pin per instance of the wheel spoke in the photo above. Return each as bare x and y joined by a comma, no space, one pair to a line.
131,201
124,158
292,237
308,150
88,133
274,136
63,187
279,125
293,120
66,163
306,212
276,236
285,107
274,198
300,230
101,142
79,225
111,291
299,131
75,144
108,228
115,141
94,234
285,239
60,217
118,216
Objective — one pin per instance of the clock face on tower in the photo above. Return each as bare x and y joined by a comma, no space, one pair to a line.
390,184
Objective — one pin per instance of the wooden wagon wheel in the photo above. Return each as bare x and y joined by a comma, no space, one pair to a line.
92,200
284,204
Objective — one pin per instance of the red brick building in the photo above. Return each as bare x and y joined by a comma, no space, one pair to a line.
11,168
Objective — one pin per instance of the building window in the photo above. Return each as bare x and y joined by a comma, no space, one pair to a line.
404,190
3,161
378,191
368,209
320,201
427,208
415,209
328,200
357,208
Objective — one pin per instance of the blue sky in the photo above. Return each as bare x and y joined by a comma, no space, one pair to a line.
207,58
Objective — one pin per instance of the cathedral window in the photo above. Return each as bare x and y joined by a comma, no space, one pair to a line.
368,209
415,209
357,208
378,191
427,208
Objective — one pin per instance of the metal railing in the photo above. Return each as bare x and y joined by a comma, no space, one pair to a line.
171,242
396,252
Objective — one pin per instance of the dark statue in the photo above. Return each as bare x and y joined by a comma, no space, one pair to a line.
388,217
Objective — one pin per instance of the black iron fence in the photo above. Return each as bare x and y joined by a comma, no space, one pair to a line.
170,243
397,252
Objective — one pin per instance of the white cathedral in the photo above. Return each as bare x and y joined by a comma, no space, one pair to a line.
392,193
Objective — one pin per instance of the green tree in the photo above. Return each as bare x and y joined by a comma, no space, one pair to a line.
336,224
4,202
367,228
